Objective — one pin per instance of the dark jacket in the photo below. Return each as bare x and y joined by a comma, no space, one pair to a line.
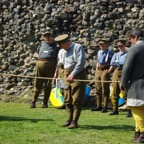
133,72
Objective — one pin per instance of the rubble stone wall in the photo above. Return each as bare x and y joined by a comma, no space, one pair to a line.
23,21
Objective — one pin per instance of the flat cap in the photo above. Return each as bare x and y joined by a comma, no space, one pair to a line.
61,38
47,33
102,40
135,32
121,41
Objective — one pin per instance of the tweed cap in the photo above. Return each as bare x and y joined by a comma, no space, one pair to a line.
61,38
121,41
135,32
47,33
102,40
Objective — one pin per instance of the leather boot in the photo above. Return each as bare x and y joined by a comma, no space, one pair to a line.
142,137
73,125
136,137
32,105
45,105
115,112
67,123
35,97
104,110
129,113
96,109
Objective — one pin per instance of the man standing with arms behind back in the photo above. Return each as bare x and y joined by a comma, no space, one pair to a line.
133,81
102,74
45,67
73,69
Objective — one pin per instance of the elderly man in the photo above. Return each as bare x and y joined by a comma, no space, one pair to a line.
102,74
73,69
46,56
133,81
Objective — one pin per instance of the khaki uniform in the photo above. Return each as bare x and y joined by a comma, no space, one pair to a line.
74,95
102,88
74,62
44,69
46,55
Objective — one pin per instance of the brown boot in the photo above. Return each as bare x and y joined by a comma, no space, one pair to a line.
44,105
67,123
73,125
141,137
32,105
35,96
129,113
136,138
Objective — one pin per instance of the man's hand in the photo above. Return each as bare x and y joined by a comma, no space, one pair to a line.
110,70
70,78
35,55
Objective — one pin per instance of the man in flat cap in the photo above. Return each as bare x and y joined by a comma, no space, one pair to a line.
73,69
133,81
117,62
46,56
104,56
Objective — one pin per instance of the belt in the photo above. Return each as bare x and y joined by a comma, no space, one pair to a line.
46,59
103,67
120,67
99,68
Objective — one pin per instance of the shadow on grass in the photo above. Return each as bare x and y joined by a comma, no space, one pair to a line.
6,118
114,127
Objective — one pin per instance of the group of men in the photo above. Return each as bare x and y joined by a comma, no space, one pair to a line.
70,66
127,68
107,64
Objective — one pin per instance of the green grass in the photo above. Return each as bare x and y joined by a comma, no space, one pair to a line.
21,125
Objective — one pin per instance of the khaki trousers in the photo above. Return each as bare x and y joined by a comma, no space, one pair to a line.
102,88
116,89
61,72
74,96
43,69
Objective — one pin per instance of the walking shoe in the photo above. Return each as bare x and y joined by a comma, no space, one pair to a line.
44,106
104,110
116,112
32,105
67,123
129,113
136,138
73,125
96,109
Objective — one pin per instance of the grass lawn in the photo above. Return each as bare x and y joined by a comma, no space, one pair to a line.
21,125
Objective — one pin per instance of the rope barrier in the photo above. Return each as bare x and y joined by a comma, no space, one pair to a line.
76,80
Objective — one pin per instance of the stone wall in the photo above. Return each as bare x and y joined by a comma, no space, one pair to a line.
23,21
